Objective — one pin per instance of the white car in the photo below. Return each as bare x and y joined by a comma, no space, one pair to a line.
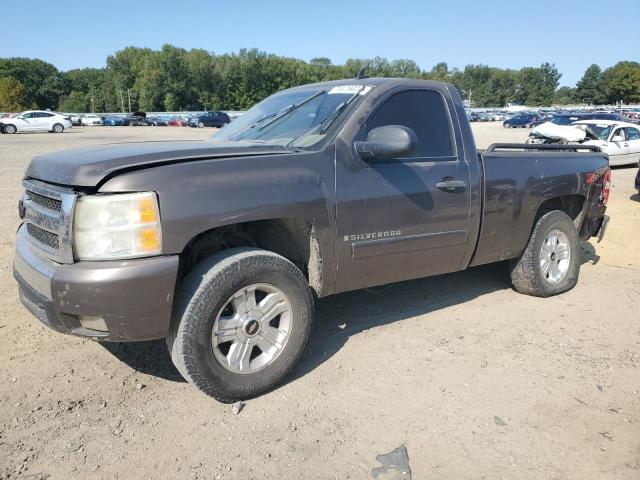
90,120
620,140
35,121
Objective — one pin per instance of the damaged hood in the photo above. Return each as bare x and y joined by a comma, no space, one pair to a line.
553,131
87,167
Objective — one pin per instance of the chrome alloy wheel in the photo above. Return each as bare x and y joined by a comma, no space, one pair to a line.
252,329
555,256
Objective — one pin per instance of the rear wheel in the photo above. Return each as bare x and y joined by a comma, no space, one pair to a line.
57,128
241,323
551,262
10,129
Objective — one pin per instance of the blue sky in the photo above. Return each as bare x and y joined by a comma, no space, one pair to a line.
504,33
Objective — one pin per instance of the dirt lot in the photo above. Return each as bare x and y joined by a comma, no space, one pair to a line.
475,380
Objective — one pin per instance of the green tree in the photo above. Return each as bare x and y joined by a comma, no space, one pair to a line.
405,68
537,86
565,96
439,73
321,61
204,79
12,96
42,81
96,83
172,78
622,83
589,88
76,101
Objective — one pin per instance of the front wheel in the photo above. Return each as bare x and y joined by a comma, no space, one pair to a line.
506,125
551,262
241,323
10,129
200,124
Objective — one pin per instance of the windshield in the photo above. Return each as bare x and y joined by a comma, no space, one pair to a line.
298,118
600,131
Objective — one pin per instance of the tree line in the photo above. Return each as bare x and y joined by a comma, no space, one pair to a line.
173,79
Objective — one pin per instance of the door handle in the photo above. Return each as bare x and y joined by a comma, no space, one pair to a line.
450,185
626,144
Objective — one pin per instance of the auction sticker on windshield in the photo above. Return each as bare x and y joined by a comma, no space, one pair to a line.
350,89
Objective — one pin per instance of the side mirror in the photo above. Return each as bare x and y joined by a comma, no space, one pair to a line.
390,141
617,138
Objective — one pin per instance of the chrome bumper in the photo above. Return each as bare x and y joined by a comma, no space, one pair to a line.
35,269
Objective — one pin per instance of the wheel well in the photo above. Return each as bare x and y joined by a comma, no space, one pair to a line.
571,204
295,239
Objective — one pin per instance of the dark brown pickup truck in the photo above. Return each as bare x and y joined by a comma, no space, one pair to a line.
221,246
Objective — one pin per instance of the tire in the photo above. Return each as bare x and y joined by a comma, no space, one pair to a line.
507,125
529,273
200,124
206,294
57,128
10,129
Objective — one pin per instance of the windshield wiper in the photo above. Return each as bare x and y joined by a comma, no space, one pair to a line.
327,121
255,124
275,116
290,109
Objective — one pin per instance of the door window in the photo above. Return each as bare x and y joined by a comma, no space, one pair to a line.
619,132
632,133
425,113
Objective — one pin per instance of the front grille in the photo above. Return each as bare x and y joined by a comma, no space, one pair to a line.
43,236
46,202
48,214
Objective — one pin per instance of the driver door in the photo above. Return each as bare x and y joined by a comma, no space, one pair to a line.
27,122
396,218
618,148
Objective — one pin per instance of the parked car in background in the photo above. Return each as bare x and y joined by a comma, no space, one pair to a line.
177,122
91,120
115,121
75,119
156,122
210,119
619,140
522,120
35,121
569,118
137,119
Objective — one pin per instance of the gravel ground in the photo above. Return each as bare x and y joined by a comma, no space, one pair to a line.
473,379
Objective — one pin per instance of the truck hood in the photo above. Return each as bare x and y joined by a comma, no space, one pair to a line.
88,167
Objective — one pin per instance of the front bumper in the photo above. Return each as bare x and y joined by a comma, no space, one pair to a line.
133,297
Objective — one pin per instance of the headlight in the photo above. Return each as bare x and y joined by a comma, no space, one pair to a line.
117,226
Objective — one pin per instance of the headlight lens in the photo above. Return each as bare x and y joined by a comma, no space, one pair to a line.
118,226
